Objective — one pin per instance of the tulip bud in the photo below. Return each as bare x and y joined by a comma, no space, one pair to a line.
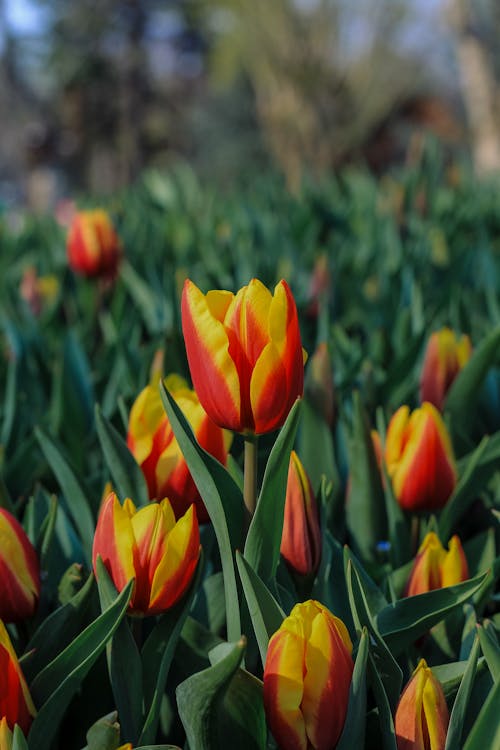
319,285
301,539
150,546
319,385
152,442
93,246
244,353
420,459
16,706
307,676
422,717
435,568
445,356
19,571
5,735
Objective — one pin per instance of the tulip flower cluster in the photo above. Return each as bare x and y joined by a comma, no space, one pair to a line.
420,459
93,246
434,567
445,356
150,546
151,440
245,354
307,676
19,571
16,705
422,716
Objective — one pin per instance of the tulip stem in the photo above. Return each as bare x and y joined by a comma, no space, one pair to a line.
250,475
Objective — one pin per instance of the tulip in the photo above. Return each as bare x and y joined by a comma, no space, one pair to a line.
16,706
301,539
422,716
150,546
152,442
19,571
244,353
445,356
419,458
307,676
435,568
319,383
93,246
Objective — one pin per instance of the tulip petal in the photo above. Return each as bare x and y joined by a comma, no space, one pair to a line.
435,712
214,373
114,540
268,393
454,568
19,571
146,415
15,699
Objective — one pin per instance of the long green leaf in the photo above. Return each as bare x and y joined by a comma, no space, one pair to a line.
353,734
262,547
490,648
457,718
486,730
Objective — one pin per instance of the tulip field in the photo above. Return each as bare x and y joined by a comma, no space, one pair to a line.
250,466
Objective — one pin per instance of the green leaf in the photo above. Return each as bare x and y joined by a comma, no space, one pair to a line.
18,739
223,501
353,734
490,648
315,447
406,620
74,494
54,687
457,718
127,477
365,511
486,730
104,734
199,699
57,631
157,655
46,535
262,546
265,612
330,585
464,494
124,663
386,722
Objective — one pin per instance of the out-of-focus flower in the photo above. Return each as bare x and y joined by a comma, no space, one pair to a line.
38,291
16,706
94,248
307,676
150,546
319,383
435,567
301,539
244,353
445,356
419,458
422,717
152,442
19,571
319,285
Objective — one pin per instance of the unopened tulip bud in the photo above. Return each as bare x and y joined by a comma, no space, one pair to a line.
301,539
422,715
420,459
445,356
93,246
435,567
307,676
319,383
19,571
16,706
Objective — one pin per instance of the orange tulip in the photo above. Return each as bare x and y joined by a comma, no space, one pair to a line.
244,353
93,246
150,546
419,458
422,716
445,356
435,568
301,539
19,571
151,440
307,676
16,706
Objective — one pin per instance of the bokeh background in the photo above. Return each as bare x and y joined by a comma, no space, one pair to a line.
92,92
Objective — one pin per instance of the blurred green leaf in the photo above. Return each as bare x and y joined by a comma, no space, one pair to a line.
353,734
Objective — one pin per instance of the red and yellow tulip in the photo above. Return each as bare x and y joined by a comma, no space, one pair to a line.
19,571
422,717
301,539
150,546
420,459
307,676
445,355
93,246
435,567
16,706
152,442
244,353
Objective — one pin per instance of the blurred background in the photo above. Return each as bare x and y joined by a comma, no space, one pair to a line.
92,92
